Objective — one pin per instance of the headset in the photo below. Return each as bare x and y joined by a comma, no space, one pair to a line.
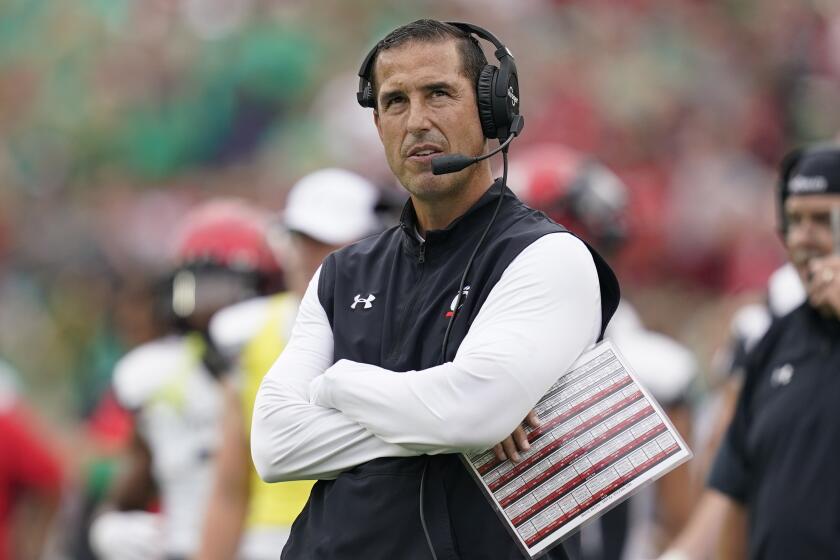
496,92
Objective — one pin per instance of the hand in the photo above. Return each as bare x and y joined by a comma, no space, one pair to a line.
517,441
824,284
127,535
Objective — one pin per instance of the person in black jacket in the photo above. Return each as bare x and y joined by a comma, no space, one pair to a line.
366,397
775,475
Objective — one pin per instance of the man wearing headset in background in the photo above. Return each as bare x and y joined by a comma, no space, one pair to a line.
774,489
386,377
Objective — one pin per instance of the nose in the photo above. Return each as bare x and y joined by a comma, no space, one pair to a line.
418,117
800,234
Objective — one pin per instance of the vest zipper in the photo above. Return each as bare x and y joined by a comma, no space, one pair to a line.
421,258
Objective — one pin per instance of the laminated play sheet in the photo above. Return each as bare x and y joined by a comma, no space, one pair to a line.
602,437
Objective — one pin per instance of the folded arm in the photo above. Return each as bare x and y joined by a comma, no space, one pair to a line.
293,439
541,315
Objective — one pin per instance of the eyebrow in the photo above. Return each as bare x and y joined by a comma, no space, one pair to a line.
389,95
438,85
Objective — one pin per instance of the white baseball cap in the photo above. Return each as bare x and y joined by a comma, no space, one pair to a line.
333,206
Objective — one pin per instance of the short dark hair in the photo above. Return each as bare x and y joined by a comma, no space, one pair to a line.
433,31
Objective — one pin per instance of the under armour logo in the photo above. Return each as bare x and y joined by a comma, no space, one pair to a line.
367,301
781,375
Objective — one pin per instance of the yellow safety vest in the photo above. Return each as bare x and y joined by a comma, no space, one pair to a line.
276,503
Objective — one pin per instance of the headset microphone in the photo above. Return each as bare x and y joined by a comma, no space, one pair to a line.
451,163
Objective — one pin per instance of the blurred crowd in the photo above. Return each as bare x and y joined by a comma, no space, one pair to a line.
119,116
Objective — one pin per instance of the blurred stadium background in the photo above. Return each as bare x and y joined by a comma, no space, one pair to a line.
118,115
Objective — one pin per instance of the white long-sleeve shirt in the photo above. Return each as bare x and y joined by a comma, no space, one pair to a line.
316,419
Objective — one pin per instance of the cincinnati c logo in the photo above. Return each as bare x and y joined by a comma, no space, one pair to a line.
464,295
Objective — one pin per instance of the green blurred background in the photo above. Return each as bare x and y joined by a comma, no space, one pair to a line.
116,116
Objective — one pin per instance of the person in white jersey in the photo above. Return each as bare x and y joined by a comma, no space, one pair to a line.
172,387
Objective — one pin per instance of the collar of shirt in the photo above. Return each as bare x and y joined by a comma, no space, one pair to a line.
477,214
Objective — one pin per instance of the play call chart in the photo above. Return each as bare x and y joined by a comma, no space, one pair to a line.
602,437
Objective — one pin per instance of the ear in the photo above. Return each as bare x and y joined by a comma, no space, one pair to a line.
377,123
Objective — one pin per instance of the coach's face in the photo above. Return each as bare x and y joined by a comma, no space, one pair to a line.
809,229
426,107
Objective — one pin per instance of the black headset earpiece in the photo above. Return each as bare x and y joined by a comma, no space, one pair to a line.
365,94
497,90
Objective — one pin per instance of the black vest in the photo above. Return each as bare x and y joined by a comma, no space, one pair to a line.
387,298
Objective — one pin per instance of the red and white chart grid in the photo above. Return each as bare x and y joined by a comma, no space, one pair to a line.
602,437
